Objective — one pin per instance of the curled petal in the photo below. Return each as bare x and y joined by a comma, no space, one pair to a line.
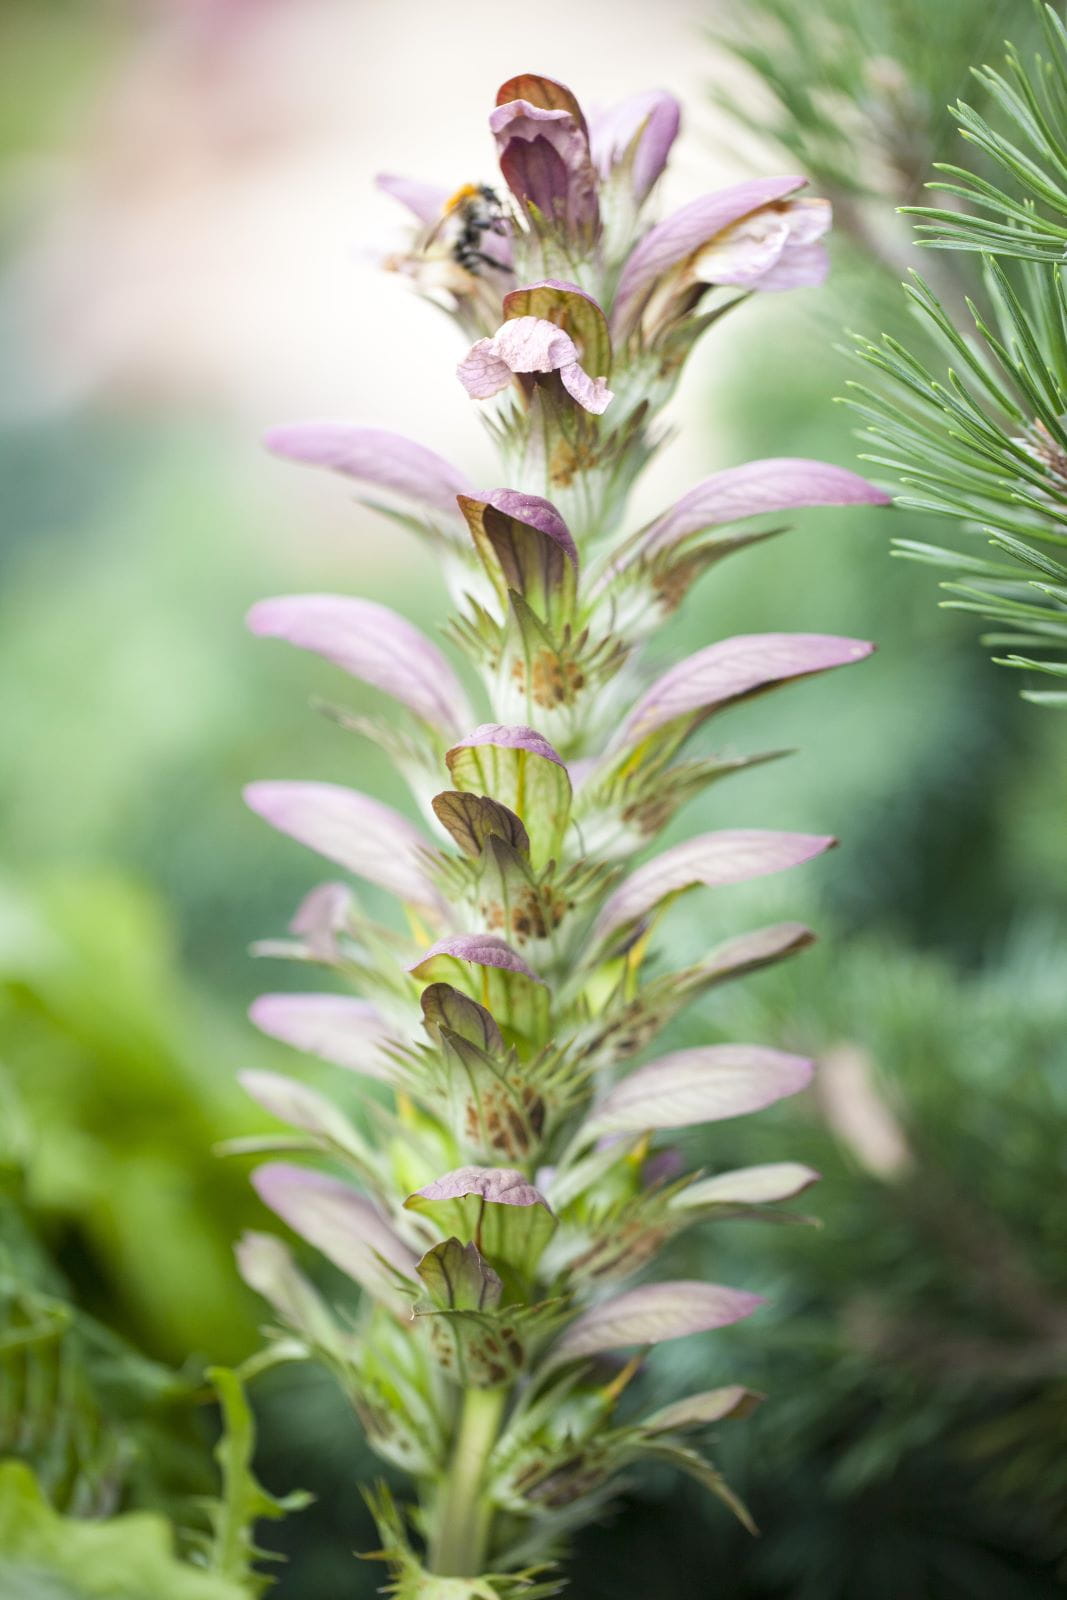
515,737
685,232
733,668
483,949
537,513
780,483
373,643
773,249
373,456
530,345
426,201
363,835
543,145
732,855
503,1186
646,124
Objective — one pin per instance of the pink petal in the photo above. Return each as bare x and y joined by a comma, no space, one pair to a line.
656,116
727,671
363,835
780,483
683,233
426,201
689,1087
482,372
373,456
348,1032
731,855
483,949
592,393
373,643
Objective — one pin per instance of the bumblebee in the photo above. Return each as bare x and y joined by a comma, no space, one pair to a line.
478,211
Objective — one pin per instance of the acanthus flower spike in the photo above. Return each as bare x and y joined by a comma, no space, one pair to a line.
507,1176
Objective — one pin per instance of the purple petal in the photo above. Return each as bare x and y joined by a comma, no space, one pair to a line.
773,249
321,916
571,309
373,456
732,855
482,372
329,1214
505,737
652,1313
483,949
544,156
655,116
684,232
703,1085
502,1186
348,1032
299,1106
778,484
373,643
727,671
765,1185
537,513
267,1266
363,835
529,345
426,201
591,393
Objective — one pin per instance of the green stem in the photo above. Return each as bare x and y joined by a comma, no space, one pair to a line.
463,1515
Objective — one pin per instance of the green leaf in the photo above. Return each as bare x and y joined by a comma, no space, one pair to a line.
244,1500
45,1556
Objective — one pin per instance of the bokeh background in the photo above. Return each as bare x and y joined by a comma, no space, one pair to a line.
191,241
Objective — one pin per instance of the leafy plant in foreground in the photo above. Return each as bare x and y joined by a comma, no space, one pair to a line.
505,1182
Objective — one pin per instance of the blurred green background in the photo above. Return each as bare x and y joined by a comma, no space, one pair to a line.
174,178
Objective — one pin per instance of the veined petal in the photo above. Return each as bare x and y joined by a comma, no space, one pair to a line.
373,456
685,232
765,1185
652,120
781,483
509,737
346,1031
543,143
773,249
426,201
337,1220
529,345
650,1314
363,835
482,949
733,668
503,1186
703,1085
373,643
731,855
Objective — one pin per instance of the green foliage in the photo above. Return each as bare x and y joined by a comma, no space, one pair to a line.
46,1556
232,1552
983,439
1025,146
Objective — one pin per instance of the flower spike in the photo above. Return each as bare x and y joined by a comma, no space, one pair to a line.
510,1170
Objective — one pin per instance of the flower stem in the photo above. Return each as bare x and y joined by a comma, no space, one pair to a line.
463,1515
